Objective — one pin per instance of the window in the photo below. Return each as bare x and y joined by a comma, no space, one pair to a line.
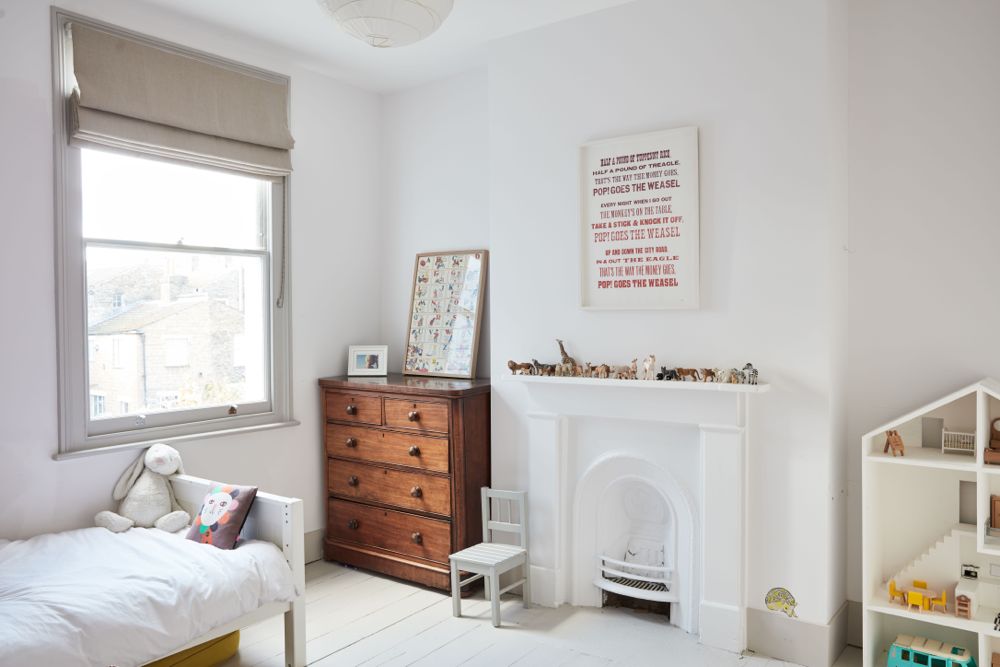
176,258
939,662
906,655
919,658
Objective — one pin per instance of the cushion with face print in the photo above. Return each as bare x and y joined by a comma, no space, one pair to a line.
222,515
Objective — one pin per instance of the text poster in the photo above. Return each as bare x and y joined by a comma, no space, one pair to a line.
640,221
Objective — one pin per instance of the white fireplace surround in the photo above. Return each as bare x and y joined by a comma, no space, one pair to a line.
600,480
707,516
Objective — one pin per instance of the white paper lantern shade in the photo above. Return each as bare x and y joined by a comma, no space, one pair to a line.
389,23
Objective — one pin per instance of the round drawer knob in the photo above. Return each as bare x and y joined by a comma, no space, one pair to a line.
352,480
413,416
416,492
352,409
414,450
352,442
417,538
353,524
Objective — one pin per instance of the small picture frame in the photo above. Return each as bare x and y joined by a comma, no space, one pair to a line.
368,360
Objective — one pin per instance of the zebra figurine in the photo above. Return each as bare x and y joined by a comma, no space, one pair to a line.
750,374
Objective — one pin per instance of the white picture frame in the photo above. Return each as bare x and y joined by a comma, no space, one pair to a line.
640,222
368,360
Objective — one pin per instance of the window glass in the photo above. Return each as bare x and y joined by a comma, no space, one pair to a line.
137,199
919,658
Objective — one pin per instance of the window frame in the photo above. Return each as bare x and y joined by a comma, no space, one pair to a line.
78,434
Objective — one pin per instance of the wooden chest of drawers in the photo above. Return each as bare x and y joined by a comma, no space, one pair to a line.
405,459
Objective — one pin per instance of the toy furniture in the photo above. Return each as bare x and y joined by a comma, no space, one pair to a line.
958,442
893,441
992,453
962,607
994,511
995,660
969,588
919,583
491,559
940,602
405,459
896,593
914,599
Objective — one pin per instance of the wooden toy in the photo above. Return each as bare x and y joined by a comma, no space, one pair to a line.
750,376
963,606
684,373
942,602
992,453
896,593
649,368
914,599
520,369
708,375
548,370
893,441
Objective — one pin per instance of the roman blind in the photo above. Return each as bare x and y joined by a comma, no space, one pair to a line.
133,95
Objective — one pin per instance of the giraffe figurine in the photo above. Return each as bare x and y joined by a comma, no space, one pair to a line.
566,359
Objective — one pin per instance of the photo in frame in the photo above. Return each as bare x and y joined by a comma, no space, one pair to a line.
368,360
446,312
640,221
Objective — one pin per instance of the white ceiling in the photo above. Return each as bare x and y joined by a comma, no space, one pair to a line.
305,28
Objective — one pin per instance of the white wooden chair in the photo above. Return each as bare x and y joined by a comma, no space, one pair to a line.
491,559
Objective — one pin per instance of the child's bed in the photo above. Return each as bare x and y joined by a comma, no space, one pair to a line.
92,597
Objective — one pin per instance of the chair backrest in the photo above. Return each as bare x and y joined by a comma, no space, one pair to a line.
516,505
919,583
913,597
892,586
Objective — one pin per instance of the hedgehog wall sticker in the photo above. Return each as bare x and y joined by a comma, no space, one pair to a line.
779,599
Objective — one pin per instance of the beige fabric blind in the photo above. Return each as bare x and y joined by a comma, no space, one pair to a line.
136,96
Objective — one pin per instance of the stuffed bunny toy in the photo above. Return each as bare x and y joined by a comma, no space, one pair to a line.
147,499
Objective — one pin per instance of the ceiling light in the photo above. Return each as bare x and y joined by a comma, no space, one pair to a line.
389,23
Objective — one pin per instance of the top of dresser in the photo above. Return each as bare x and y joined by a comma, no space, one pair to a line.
416,385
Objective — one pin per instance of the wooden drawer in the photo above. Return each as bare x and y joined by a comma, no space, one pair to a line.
419,415
409,490
388,529
404,449
354,408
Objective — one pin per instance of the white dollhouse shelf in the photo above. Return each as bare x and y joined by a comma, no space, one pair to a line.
658,385
910,507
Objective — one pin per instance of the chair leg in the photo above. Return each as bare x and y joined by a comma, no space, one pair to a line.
495,597
456,591
526,586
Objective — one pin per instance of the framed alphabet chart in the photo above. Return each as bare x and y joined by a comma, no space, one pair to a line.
446,313
640,219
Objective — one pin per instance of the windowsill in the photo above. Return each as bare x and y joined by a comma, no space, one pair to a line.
80,453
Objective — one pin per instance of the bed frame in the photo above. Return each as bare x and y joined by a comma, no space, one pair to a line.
275,519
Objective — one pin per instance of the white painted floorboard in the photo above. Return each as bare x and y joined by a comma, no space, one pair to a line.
357,618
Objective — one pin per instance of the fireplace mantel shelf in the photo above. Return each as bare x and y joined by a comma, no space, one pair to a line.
642,384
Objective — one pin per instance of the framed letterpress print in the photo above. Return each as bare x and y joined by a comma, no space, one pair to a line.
446,313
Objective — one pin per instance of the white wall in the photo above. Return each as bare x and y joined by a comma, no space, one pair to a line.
334,291
434,191
761,82
924,158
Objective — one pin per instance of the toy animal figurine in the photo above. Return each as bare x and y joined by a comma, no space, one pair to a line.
666,374
736,376
586,370
649,368
893,441
684,373
751,374
520,369
145,496
708,375
566,359
566,370
633,369
603,371
619,372
547,370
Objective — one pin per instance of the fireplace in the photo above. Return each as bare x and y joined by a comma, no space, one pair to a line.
638,489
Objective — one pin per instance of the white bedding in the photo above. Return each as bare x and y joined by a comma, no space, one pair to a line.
93,597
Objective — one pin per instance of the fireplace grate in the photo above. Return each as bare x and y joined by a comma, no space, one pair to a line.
655,586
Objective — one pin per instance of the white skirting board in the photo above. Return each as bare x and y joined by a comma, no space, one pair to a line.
777,636
314,546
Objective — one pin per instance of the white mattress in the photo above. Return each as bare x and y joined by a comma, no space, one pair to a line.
91,597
